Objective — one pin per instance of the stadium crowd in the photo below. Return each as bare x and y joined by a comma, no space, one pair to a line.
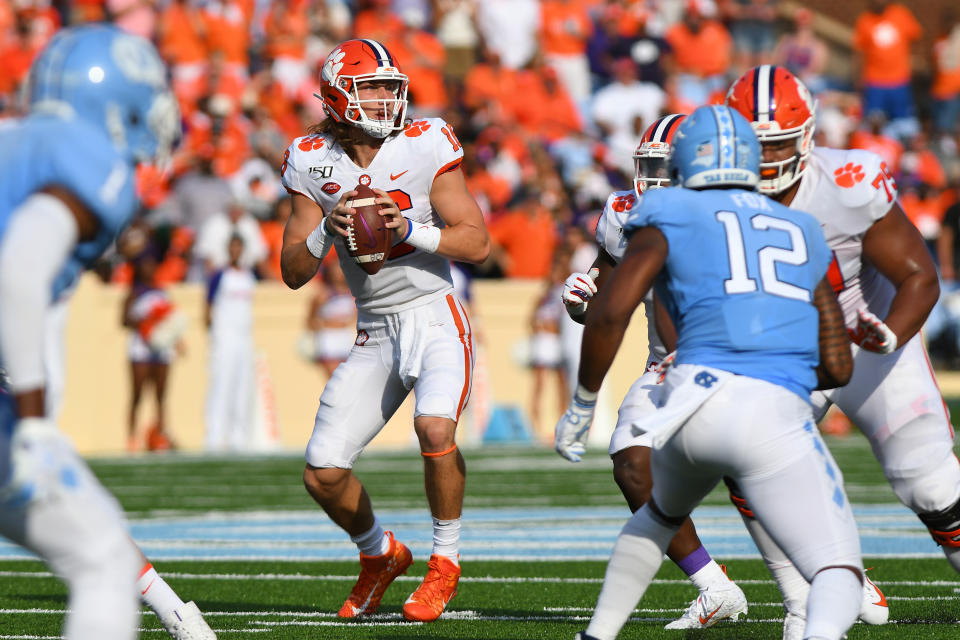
549,99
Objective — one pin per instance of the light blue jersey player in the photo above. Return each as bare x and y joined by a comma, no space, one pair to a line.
99,103
758,327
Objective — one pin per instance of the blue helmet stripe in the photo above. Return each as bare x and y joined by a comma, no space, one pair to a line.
383,56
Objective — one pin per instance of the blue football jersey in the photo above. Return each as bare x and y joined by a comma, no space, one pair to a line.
45,150
739,281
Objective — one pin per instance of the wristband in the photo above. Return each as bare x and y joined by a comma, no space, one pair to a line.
584,397
423,237
319,241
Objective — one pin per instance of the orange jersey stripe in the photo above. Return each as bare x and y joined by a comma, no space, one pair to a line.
467,352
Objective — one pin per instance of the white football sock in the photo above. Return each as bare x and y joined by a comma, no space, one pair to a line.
793,586
834,603
446,539
156,593
636,557
709,575
373,542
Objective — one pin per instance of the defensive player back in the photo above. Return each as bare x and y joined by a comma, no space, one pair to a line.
99,103
744,282
412,332
887,284
719,598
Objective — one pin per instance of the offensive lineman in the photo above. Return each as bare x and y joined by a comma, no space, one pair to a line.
412,332
60,206
887,284
719,597
744,281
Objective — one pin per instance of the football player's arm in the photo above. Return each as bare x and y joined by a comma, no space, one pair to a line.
897,250
836,361
41,234
125,320
305,241
664,325
465,237
614,304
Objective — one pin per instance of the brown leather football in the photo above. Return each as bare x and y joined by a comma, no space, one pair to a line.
369,240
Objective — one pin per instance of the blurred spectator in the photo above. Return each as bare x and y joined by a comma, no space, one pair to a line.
546,352
942,329
701,50
617,105
921,203
197,195
213,240
919,164
181,39
491,192
229,318
803,52
331,318
17,53
946,80
219,130
136,16
150,350
287,26
457,31
509,28
873,138
752,29
272,230
227,32
882,38
565,28
524,238
423,60
376,19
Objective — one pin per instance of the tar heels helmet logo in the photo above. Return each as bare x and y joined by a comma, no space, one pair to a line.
715,147
113,80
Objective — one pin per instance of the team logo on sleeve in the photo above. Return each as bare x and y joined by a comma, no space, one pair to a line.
849,175
310,143
417,128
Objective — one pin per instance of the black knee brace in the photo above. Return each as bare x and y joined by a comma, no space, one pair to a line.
944,525
737,499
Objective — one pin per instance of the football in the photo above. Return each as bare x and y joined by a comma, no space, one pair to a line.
368,240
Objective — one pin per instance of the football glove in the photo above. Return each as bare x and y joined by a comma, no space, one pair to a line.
872,334
577,291
570,435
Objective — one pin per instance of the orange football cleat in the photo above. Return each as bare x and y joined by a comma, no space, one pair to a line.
437,589
376,574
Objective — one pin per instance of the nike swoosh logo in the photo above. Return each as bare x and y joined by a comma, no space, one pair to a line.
394,177
712,613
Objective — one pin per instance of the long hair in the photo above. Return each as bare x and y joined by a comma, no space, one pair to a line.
344,134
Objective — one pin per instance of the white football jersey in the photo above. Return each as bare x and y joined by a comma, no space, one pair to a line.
847,191
611,239
405,167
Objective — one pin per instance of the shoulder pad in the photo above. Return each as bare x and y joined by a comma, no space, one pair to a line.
858,179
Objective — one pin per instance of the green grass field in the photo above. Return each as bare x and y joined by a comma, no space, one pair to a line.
259,596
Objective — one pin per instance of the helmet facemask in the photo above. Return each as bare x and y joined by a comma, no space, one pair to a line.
650,166
780,175
395,108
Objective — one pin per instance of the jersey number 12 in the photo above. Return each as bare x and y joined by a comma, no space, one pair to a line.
768,257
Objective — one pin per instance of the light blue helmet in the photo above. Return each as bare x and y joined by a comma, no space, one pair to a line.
715,147
113,80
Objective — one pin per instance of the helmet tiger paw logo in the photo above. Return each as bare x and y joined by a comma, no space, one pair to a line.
849,175
417,128
333,65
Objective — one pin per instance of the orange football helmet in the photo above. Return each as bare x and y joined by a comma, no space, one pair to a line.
779,107
358,61
650,158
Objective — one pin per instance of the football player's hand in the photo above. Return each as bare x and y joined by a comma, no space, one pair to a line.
577,291
570,434
392,218
872,334
338,220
